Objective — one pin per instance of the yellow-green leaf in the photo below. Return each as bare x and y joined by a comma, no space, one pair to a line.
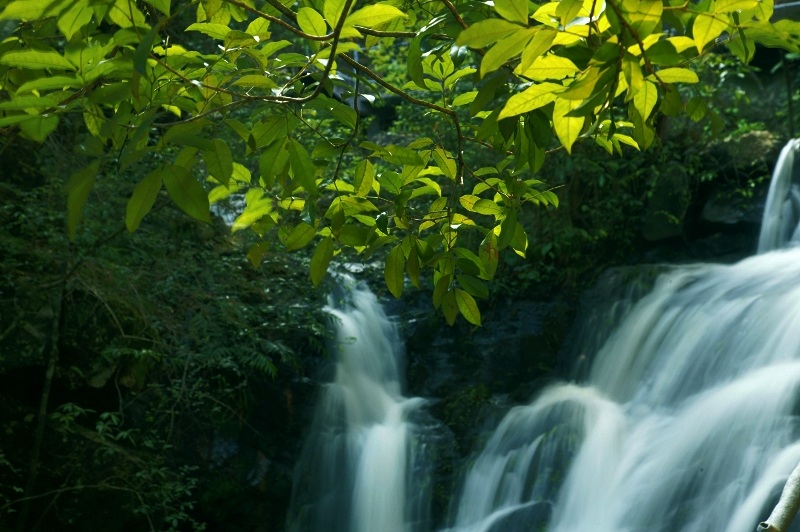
633,74
707,28
332,10
675,75
393,271
467,306
311,22
374,15
541,42
36,60
505,49
512,10
726,6
567,128
299,237
550,67
645,100
73,19
25,9
213,30
363,179
531,98
568,10
39,127
486,32
320,260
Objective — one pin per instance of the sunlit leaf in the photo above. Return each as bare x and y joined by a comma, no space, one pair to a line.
512,10
531,98
486,32
374,15
311,22
567,128
707,28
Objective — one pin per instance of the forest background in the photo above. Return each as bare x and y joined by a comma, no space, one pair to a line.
180,176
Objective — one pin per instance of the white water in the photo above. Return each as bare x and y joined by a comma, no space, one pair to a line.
688,419
356,469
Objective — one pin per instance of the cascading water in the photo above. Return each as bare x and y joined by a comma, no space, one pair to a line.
358,471
687,421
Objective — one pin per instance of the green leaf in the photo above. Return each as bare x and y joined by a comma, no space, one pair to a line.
299,237
507,228
393,271
726,6
25,9
449,307
332,10
187,193
414,62
36,60
413,264
257,253
512,10
39,127
78,187
567,128
505,49
707,27
215,31
141,201
531,98
27,102
468,307
473,286
551,67
219,161
374,15
161,5
321,259
489,254
675,75
74,18
302,166
486,32
644,15
567,10
311,22
49,83
363,179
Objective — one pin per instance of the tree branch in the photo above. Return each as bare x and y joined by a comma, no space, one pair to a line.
787,507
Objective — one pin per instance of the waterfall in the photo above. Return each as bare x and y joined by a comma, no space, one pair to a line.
687,420
781,221
358,470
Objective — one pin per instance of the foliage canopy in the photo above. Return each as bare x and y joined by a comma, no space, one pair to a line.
263,100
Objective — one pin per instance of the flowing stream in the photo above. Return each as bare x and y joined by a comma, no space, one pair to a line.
686,422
